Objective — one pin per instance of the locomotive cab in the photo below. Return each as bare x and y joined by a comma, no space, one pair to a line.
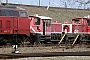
40,25
81,24
88,25
80,31
75,21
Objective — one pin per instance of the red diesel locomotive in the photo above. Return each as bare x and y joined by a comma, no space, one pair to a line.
40,26
17,27
75,31
14,24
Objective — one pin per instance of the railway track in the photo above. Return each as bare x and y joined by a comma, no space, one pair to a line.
44,54
47,54
27,44
48,45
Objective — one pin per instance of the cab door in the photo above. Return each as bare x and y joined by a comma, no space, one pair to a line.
87,27
23,23
46,27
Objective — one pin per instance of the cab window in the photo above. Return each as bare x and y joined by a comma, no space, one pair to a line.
14,13
76,21
48,22
88,22
9,13
2,13
23,14
36,21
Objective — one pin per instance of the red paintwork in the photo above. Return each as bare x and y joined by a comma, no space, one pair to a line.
24,26
14,25
82,26
38,28
67,22
35,26
56,27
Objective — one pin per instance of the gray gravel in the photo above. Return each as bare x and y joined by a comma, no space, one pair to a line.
47,49
41,49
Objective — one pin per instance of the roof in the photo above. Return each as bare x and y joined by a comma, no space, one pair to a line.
11,7
43,17
80,18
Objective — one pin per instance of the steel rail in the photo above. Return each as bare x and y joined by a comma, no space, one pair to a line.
45,54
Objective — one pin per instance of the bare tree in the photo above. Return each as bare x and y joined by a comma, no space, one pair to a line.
83,2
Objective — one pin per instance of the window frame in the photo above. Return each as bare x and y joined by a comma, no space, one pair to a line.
87,22
24,14
37,22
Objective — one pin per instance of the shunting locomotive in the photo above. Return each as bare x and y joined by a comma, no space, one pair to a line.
14,25
17,27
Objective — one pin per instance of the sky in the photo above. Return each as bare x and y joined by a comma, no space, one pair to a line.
53,3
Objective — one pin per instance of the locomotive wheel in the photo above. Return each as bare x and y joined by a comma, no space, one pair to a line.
24,40
37,44
31,41
54,42
2,41
66,40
